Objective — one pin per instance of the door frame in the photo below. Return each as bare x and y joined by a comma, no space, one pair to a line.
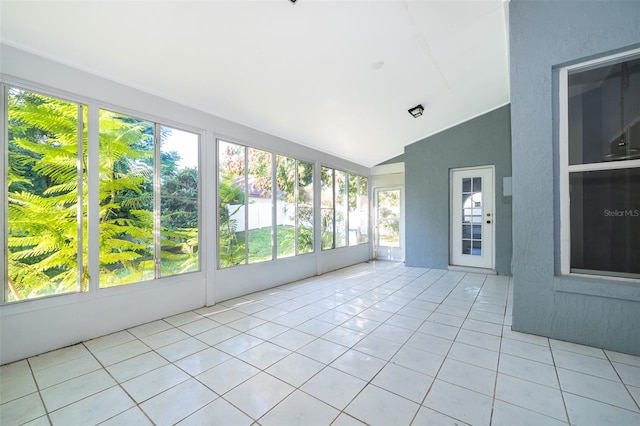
401,249
491,207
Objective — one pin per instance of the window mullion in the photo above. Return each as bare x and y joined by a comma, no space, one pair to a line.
246,205
93,201
80,198
333,188
156,200
296,208
4,167
274,208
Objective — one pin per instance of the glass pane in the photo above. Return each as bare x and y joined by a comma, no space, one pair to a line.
305,207
231,204
341,208
363,225
466,184
605,221
285,206
389,218
466,231
260,205
604,113
466,215
42,194
354,201
126,199
327,203
389,233
179,182
477,248
477,232
466,247
477,184
327,229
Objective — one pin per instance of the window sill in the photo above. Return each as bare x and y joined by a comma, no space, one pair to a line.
614,288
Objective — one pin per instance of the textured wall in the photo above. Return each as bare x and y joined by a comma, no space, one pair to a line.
544,35
485,140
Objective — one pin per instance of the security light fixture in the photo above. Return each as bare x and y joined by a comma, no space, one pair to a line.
416,111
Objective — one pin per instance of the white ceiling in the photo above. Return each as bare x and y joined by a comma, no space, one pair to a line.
302,71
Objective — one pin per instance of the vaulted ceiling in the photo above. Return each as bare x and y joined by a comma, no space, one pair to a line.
337,76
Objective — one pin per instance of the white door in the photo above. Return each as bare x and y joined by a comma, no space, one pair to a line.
472,220
388,203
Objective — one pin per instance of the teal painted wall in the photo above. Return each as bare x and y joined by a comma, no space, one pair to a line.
485,140
543,37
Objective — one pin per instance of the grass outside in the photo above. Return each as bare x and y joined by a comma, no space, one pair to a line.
260,248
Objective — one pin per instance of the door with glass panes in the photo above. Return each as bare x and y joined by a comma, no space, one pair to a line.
472,219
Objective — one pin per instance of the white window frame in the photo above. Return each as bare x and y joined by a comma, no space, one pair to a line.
91,215
565,169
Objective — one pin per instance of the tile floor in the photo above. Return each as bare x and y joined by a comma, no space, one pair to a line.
376,343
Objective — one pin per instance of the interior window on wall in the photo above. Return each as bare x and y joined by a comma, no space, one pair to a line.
45,210
285,206
179,201
259,206
304,214
327,208
604,167
126,162
231,208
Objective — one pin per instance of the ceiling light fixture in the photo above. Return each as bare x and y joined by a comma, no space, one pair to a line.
416,111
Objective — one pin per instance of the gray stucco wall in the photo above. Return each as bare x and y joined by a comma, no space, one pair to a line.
485,140
543,36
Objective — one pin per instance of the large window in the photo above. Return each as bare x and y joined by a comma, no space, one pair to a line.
601,127
294,206
148,197
344,209
46,195
148,200
265,205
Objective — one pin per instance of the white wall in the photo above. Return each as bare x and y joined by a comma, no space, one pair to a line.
31,327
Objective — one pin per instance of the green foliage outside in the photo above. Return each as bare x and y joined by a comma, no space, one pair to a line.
43,202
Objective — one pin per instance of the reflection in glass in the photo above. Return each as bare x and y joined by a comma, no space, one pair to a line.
466,185
605,221
472,214
604,112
